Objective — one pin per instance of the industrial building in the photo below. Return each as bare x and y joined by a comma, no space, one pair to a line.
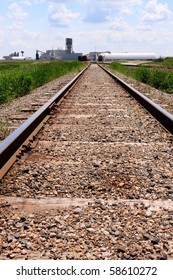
59,54
16,56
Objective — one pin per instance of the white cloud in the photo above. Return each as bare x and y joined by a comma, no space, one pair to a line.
30,35
118,24
144,27
2,34
111,2
96,14
16,13
155,11
18,43
101,10
60,16
14,26
26,2
1,18
38,1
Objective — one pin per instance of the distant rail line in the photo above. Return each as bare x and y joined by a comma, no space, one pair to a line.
100,149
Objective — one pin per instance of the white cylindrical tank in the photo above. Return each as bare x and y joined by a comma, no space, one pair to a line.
130,56
18,58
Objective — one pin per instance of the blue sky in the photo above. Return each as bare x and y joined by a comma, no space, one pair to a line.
114,25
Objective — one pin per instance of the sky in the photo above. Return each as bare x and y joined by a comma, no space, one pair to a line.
94,25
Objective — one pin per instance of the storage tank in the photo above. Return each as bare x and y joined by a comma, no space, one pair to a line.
18,58
129,56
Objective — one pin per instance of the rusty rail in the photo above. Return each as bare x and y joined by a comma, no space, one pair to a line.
18,140
161,115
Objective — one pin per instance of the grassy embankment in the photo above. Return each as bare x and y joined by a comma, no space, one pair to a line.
19,78
157,77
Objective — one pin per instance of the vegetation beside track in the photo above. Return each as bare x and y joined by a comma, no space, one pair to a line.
158,78
19,78
168,62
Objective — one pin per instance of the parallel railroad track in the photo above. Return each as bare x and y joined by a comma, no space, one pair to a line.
101,168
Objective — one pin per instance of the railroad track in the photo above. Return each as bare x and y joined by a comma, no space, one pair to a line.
101,170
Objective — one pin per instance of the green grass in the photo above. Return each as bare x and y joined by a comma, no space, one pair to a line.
162,64
19,78
166,62
157,78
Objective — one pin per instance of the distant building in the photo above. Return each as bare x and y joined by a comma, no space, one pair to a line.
94,55
59,54
14,55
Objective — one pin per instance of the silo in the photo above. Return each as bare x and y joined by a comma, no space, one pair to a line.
69,45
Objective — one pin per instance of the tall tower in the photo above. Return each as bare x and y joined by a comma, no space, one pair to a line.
69,45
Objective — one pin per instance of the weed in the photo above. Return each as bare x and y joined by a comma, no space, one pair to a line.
143,75
4,128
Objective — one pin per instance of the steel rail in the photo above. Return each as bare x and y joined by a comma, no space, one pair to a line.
160,114
18,140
